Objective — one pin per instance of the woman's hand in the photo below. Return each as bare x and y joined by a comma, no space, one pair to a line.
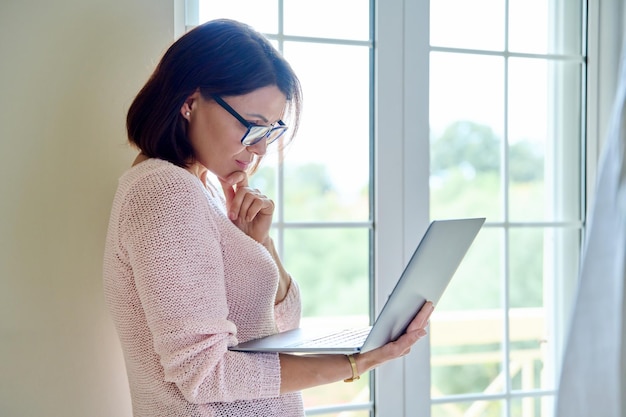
400,347
248,209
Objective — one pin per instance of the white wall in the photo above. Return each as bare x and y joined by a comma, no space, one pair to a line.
68,71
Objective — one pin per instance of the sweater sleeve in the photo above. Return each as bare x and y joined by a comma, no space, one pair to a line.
175,253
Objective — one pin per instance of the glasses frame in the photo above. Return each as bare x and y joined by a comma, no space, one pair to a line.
282,127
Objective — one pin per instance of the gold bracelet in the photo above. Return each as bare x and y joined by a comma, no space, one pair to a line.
355,372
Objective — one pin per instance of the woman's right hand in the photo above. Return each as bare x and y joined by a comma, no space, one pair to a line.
247,208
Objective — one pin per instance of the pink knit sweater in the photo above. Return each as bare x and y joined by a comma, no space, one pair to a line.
182,284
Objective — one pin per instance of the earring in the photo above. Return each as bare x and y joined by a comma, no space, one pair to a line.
187,113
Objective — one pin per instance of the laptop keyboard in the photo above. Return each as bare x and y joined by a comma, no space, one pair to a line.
343,338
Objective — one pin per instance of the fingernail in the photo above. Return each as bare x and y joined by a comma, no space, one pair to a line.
422,332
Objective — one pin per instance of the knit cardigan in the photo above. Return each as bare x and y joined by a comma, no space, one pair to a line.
182,284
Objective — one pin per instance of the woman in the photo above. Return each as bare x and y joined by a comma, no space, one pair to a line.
189,272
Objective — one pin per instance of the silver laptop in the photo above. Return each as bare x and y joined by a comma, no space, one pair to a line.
425,277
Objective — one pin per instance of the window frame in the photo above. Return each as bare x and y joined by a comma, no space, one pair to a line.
401,76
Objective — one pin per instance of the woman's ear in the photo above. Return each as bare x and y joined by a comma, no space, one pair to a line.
189,104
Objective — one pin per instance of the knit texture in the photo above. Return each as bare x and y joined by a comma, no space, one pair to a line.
182,283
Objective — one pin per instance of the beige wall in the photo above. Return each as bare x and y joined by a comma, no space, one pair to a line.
68,70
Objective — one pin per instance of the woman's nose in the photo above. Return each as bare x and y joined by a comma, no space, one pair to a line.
258,148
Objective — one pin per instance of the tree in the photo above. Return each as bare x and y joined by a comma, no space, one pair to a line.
474,148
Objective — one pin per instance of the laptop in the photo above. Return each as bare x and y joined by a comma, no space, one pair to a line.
425,278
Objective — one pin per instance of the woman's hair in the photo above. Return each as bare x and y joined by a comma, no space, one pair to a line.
222,57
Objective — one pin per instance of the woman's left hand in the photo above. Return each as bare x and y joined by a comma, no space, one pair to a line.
248,209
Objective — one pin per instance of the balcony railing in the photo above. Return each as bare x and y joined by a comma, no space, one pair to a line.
462,340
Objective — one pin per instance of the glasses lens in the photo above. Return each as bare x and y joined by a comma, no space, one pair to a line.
276,133
257,133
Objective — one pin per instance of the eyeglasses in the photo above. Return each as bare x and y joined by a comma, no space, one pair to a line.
255,133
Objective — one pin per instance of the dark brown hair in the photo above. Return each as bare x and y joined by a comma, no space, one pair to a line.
222,57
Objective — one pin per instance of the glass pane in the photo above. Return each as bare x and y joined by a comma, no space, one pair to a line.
476,408
537,256
467,126
331,266
340,393
327,165
342,414
467,327
265,178
526,268
532,407
544,160
345,19
528,137
467,24
260,14
545,27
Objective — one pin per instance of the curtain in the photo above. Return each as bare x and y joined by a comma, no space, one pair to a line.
593,375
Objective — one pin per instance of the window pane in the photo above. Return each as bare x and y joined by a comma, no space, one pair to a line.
545,27
345,19
476,408
544,116
327,166
532,407
331,265
536,322
466,121
467,326
260,14
467,24
528,137
343,414
340,393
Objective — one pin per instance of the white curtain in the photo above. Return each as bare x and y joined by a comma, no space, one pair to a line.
593,376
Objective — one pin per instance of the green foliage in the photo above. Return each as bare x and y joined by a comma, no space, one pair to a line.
525,163
332,267
466,144
474,148
311,196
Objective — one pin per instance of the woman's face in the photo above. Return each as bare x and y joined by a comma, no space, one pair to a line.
215,134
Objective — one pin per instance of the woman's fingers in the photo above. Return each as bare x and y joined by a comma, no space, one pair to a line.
229,185
242,201
421,319
234,187
415,331
247,208
252,202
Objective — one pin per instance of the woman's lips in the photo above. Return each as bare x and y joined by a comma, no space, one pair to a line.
243,164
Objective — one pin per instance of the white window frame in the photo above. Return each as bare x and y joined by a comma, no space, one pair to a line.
401,206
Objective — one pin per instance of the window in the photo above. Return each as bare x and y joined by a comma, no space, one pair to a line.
506,126
423,110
